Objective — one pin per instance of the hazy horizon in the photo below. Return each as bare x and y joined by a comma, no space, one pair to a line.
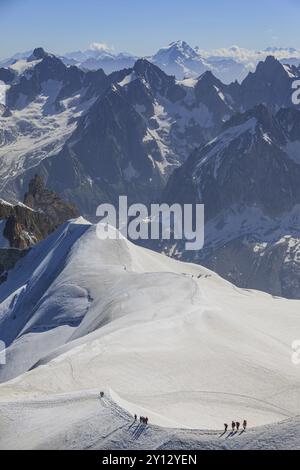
63,25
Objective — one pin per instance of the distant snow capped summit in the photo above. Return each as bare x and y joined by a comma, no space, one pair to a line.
175,50
179,59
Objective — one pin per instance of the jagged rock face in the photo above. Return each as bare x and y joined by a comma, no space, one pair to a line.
132,136
8,259
38,53
220,98
270,84
41,109
248,179
50,68
46,75
123,134
43,200
249,164
44,212
6,75
107,156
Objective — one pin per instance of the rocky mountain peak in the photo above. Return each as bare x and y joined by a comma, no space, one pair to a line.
208,78
36,185
42,199
270,65
38,53
154,76
42,212
146,69
269,84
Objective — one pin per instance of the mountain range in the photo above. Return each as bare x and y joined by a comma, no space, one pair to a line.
94,135
185,339
141,132
248,180
178,58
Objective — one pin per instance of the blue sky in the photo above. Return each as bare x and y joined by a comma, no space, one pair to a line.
142,26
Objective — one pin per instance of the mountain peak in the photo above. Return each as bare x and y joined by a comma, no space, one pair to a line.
208,76
142,64
180,45
270,59
38,53
269,67
208,80
143,68
176,50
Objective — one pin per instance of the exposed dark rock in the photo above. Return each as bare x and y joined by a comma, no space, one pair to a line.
6,75
26,224
49,203
8,258
270,84
38,53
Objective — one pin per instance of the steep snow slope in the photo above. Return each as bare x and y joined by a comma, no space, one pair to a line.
171,339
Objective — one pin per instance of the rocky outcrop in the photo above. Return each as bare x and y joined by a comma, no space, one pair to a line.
30,222
49,204
41,213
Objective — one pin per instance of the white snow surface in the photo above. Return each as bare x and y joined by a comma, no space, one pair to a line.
24,65
82,420
171,340
37,130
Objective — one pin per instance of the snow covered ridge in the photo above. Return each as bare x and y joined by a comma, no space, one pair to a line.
99,315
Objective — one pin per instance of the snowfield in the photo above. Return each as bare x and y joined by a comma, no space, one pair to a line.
165,339
36,131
